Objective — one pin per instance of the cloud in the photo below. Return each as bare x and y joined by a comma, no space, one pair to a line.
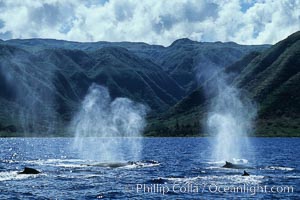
155,22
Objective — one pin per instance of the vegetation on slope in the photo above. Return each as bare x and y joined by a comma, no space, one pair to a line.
270,78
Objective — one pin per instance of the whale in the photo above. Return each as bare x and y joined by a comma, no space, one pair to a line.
158,180
125,164
246,173
28,170
235,166
111,165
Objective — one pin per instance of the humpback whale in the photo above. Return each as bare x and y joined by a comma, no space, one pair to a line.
28,170
158,180
235,166
246,173
124,164
111,165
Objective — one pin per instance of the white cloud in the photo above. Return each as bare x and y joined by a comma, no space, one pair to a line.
158,22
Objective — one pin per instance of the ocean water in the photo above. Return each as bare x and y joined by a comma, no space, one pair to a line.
169,168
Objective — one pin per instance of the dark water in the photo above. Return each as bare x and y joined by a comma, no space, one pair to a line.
185,171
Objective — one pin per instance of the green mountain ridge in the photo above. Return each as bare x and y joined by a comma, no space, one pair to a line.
271,78
47,79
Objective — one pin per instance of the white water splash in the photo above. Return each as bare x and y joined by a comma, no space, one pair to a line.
108,130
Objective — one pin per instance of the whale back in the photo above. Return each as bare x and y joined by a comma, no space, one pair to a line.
28,170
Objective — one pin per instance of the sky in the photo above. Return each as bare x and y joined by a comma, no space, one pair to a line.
151,21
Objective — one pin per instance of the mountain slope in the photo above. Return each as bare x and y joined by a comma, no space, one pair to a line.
187,61
47,79
28,81
270,78
182,60
41,90
272,71
128,75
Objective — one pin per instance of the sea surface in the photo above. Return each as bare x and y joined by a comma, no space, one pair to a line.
169,168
